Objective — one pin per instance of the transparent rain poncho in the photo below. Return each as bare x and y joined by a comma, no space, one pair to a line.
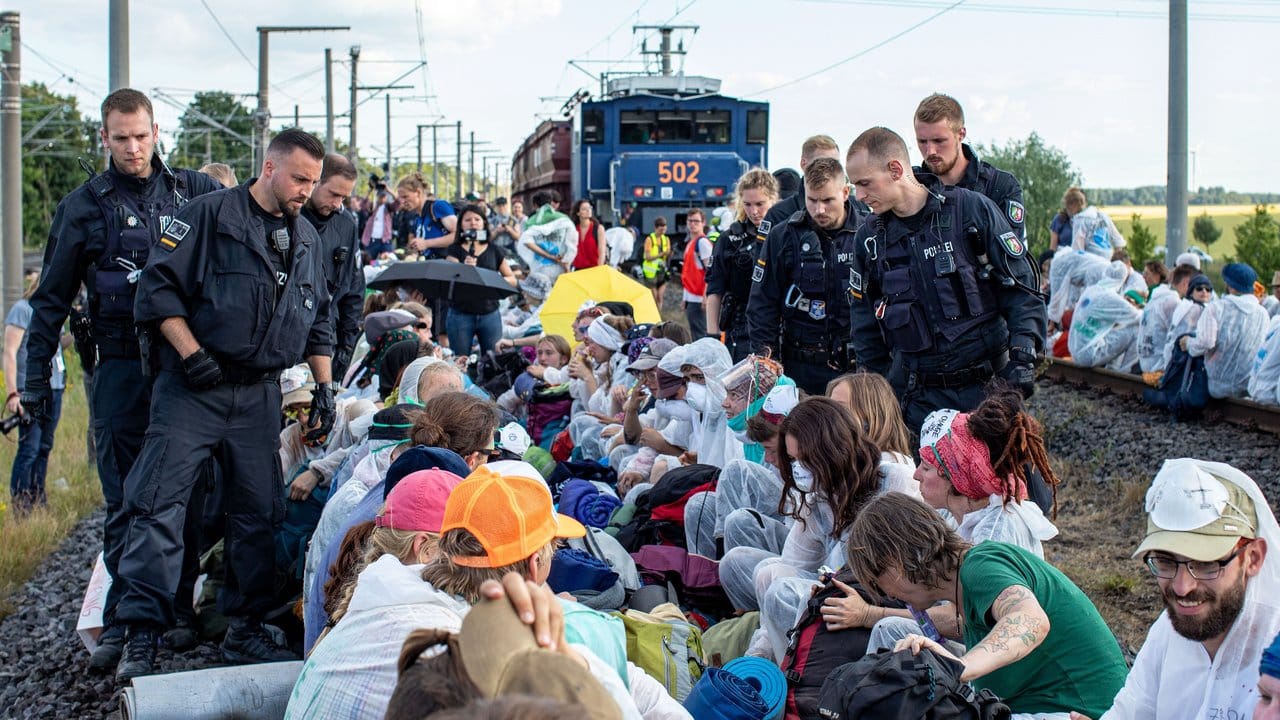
1228,335
1104,327
1264,379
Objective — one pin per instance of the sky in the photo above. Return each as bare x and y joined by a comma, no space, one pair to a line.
1089,76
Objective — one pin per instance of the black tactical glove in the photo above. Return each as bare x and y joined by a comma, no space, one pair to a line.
202,370
321,416
37,400
341,361
1021,371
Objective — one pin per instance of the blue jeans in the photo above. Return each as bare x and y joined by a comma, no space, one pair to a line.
463,328
31,461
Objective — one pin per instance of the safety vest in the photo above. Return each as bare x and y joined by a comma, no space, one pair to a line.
662,245
692,274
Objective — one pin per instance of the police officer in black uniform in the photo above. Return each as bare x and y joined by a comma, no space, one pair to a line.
943,295
815,147
102,235
733,256
340,248
238,293
940,133
799,311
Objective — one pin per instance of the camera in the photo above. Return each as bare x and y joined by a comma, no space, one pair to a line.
376,182
8,424
474,235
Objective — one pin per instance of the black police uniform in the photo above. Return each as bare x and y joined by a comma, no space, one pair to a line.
942,299
256,315
340,252
103,232
729,276
1001,187
799,311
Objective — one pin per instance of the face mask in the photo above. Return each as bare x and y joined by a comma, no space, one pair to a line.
675,409
802,477
696,396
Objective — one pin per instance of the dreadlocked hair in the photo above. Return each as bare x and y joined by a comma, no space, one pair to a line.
1014,440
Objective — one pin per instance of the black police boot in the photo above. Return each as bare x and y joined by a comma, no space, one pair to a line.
139,656
248,642
110,645
183,635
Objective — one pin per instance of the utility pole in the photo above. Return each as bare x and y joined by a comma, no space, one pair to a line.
1175,240
118,45
351,148
458,170
11,156
387,97
328,100
471,167
262,116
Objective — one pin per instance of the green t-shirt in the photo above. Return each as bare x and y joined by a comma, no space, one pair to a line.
1078,666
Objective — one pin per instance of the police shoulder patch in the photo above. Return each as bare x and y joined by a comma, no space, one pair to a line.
1012,244
1016,212
764,227
758,274
173,234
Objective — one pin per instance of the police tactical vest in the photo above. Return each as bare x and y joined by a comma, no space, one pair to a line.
132,228
738,257
930,282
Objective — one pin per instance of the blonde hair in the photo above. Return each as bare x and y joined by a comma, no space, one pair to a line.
382,541
754,179
876,410
415,181
220,172
817,144
30,282
938,107
446,576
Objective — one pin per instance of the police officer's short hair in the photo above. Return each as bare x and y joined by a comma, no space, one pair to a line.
881,145
126,100
939,107
822,171
296,139
335,164
817,144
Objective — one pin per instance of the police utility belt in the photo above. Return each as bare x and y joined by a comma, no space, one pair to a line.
233,375
972,375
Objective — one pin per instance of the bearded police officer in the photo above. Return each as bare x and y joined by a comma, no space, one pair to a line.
940,133
102,235
799,310
238,294
943,296
732,257
340,252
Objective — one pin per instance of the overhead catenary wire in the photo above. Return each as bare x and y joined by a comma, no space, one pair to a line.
227,35
1068,11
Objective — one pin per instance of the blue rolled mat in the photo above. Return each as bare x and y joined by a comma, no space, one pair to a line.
766,678
721,695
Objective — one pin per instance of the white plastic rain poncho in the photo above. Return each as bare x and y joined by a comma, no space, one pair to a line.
1153,331
1185,318
1264,379
408,392
716,445
1018,523
1271,304
554,233
1134,281
1093,232
1173,677
1071,272
1104,328
1230,331
621,241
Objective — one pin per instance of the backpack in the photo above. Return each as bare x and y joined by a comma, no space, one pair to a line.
1184,387
292,536
567,470
496,372
813,651
670,652
695,578
900,686
659,516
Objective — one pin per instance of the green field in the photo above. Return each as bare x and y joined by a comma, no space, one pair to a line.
1226,216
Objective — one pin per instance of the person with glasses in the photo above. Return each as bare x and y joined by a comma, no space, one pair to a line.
1209,529
1230,331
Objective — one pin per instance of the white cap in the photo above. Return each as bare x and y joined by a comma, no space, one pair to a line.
1187,258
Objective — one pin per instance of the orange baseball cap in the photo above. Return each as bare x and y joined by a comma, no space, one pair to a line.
512,517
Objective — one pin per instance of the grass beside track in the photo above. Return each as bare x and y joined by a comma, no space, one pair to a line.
25,542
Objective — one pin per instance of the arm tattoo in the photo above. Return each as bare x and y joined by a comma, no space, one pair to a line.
1020,625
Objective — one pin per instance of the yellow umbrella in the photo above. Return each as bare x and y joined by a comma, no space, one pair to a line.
601,283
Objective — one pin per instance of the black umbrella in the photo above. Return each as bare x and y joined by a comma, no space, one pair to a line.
444,279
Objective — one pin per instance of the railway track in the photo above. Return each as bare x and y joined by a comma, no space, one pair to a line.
1244,413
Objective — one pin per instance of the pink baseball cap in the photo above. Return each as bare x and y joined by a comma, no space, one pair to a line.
417,502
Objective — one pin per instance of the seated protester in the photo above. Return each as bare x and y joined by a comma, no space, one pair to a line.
656,420
543,405
373,606
392,366
454,431
876,409
987,497
830,469
1104,326
1187,315
1069,274
1264,378
296,387
361,380
1064,657
747,385
1229,333
427,377
1268,707
671,330
1133,279
597,370
701,363
1209,534
1157,321
349,432
525,328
